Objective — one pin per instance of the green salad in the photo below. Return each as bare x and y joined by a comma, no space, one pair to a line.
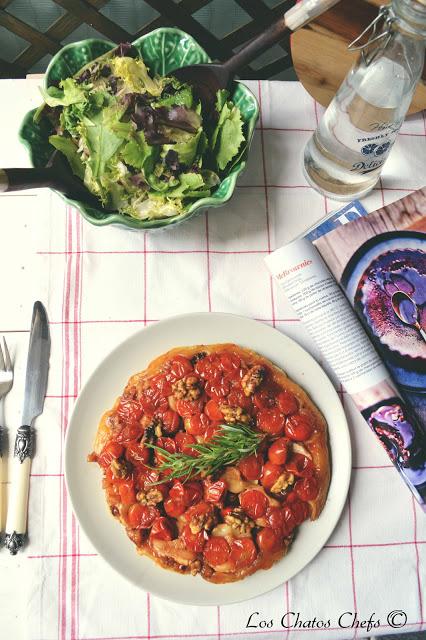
143,145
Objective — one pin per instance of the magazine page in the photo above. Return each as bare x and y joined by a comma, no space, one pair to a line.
322,305
380,262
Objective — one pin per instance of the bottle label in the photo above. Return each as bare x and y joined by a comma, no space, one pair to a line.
375,149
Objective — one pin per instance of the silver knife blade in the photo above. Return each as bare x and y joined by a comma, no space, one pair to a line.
37,365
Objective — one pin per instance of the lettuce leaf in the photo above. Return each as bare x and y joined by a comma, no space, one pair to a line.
139,154
101,141
135,76
230,138
187,150
182,97
69,149
69,93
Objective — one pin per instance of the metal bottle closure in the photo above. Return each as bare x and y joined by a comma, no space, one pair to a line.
380,32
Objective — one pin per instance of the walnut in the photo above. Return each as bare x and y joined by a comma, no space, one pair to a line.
284,481
253,379
201,521
121,468
151,497
188,388
195,567
152,431
233,415
239,521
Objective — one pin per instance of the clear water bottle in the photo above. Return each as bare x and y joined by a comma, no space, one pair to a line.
345,156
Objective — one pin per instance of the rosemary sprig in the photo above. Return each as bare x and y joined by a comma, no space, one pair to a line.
228,447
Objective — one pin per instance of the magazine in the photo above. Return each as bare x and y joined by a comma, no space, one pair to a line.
359,286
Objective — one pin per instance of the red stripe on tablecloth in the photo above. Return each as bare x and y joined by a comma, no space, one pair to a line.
352,557
155,251
79,384
64,555
419,583
268,229
209,292
148,615
287,601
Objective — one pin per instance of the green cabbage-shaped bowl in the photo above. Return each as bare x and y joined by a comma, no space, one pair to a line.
163,50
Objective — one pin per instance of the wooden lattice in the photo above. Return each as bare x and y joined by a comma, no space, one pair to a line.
178,14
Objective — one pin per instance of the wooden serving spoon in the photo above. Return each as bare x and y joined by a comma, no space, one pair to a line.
209,78
56,175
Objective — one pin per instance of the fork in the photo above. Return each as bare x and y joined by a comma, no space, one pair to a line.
6,382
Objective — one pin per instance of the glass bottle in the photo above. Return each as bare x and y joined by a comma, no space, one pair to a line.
345,156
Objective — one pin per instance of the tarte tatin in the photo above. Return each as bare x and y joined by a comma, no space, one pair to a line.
211,458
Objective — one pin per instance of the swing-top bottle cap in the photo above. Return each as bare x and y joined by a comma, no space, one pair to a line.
413,13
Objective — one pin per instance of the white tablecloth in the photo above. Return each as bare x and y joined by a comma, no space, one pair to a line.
99,286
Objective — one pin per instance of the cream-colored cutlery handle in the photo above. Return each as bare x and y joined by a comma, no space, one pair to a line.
16,522
304,12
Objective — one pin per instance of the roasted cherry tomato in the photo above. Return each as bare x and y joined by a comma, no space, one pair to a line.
300,465
162,529
278,451
237,398
254,503
137,453
300,509
174,508
230,362
213,411
129,432
154,399
287,402
110,452
217,551
214,491
177,368
271,420
188,408
194,541
270,474
265,398
299,427
250,467
243,552
307,489
160,383
129,411
183,443
141,516
169,445
171,421
268,540
188,493
212,430
281,520
197,424
218,387
127,492
200,511
208,366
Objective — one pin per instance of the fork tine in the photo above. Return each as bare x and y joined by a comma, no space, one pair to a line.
7,356
2,366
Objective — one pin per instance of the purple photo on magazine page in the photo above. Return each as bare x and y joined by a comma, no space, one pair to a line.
380,262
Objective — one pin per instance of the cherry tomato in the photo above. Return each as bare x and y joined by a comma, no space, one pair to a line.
254,503
278,451
229,362
171,421
271,420
162,529
194,541
270,474
213,411
183,443
281,520
200,509
208,366
188,408
153,399
268,540
265,398
160,383
217,387
287,402
127,492
197,424
299,427
129,432
168,444
243,552
177,368
237,398
212,431
111,451
137,453
141,516
250,467
307,489
188,493
300,509
174,508
217,551
129,410
300,465
214,492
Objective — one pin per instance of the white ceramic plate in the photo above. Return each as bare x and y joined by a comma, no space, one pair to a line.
108,381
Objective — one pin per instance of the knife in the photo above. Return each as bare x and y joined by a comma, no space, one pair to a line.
35,391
